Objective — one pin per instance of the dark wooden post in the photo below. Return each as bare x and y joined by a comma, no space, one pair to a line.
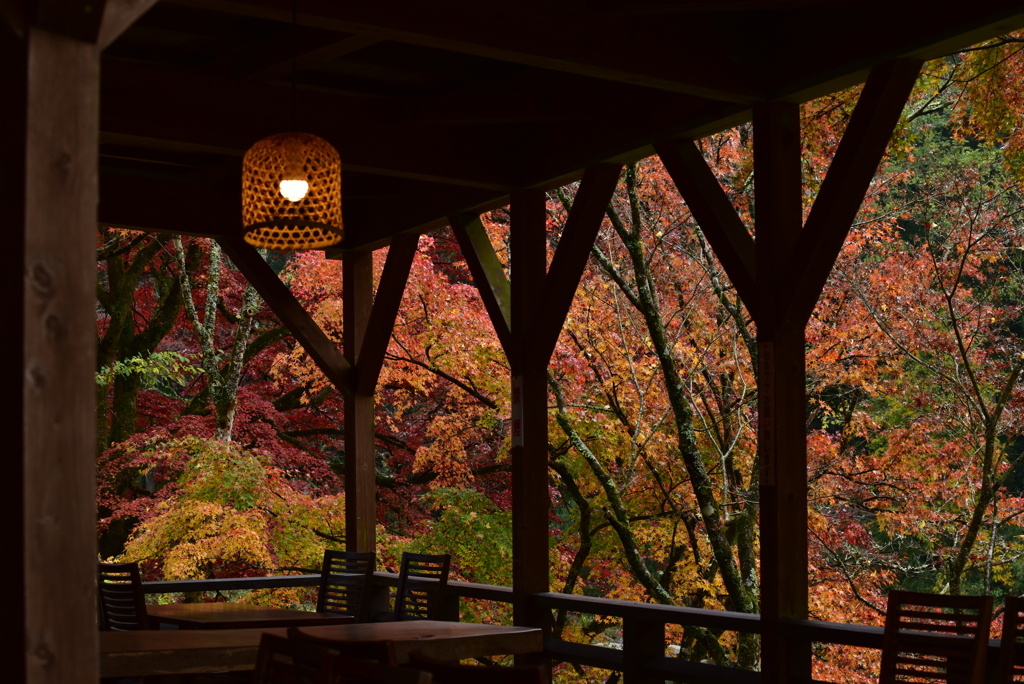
780,279
781,394
51,410
14,86
530,501
528,315
360,484
642,641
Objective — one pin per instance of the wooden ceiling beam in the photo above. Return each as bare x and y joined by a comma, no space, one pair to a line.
312,58
383,138
271,58
554,37
146,102
209,209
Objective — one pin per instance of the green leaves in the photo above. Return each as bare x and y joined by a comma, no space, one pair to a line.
158,370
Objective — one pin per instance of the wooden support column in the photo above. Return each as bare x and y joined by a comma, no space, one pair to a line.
360,484
530,500
528,315
780,279
13,123
53,387
781,378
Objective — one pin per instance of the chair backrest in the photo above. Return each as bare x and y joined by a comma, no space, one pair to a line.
119,592
445,672
345,583
346,668
936,638
421,586
1011,645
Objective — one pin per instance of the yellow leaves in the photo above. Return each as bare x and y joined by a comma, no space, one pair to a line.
231,507
191,535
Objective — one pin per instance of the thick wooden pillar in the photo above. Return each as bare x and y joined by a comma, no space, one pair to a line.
781,395
50,410
529,363
360,484
14,86
780,279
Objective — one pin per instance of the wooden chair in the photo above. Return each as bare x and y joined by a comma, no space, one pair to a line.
286,661
1011,644
374,651
421,586
345,584
121,602
935,638
445,672
309,653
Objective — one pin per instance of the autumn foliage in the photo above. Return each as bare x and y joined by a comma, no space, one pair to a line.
915,406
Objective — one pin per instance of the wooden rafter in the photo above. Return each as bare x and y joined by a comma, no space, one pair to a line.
715,215
849,176
118,16
147,101
282,302
487,273
545,35
385,308
180,205
314,57
573,251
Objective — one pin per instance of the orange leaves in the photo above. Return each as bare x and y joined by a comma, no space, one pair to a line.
445,455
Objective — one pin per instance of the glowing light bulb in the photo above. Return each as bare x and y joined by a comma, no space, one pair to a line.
294,190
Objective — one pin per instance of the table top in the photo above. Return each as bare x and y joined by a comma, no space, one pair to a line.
159,652
179,651
438,639
237,616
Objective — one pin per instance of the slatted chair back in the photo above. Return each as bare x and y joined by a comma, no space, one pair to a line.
121,602
1011,645
345,584
422,581
935,638
445,672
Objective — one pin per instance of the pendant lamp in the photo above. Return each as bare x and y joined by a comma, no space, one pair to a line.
291,186
291,193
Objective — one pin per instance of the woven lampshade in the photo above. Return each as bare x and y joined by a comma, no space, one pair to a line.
273,221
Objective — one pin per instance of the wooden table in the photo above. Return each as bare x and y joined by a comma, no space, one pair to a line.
179,651
161,652
444,640
236,616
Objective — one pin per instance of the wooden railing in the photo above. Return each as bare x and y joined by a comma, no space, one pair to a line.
642,655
